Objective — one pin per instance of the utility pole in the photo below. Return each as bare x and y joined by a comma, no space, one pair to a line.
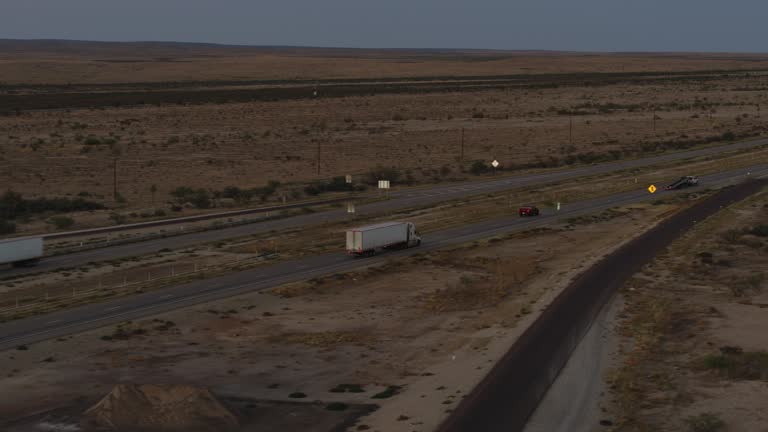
114,179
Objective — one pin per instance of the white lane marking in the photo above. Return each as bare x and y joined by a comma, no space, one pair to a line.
112,308
166,296
54,321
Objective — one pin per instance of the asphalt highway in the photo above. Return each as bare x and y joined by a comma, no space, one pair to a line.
398,201
61,323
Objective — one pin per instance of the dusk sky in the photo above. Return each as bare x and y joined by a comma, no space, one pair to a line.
583,25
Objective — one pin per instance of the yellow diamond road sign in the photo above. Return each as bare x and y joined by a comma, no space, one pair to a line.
651,188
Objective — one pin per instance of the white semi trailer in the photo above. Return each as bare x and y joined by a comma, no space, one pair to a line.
20,252
369,240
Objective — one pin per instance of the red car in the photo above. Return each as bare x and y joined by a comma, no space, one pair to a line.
528,211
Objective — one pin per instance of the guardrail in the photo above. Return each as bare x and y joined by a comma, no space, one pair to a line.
195,218
155,235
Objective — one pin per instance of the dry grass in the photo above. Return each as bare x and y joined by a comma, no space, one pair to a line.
329,339
129,63
671,311
248,144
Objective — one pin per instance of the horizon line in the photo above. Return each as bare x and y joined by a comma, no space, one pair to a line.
350,48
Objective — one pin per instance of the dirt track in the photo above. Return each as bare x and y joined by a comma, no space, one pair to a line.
505,399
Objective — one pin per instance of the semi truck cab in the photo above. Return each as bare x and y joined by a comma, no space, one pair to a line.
413,237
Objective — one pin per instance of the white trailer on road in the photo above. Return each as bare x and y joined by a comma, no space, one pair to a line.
22,251
368,240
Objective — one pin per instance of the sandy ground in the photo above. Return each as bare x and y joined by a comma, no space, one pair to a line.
432,326
64,63
212,146
685,315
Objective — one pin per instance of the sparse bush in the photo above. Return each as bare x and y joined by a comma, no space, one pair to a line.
7,227
388,393
312,190
706,422
61,222
706,257
728,136
92,141
117,218
244,196
337,184
347,388
739,365
724,263
759,230
755,281
13,205
732,235
716,362
478,167
297,395
197,197
336,406
382,173
731,350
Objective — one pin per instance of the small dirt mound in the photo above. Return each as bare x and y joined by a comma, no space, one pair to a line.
159,408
